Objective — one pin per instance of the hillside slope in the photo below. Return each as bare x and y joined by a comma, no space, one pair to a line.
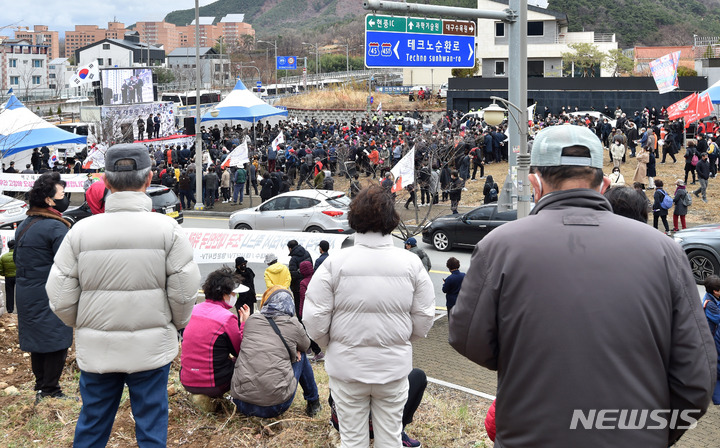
635,22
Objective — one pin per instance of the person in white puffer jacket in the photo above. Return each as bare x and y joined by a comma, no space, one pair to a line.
126,281
366,304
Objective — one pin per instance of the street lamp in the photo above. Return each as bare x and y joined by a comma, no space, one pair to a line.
198,136
274,44
317,56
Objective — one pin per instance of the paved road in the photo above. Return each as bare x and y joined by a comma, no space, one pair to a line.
438,259
440,361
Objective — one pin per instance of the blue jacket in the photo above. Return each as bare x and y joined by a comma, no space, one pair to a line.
40,330
320,260
712,312
451,287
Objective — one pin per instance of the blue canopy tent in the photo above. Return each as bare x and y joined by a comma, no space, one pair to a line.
714,91
21,130
241,104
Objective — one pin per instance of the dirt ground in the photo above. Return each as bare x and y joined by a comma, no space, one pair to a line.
446,418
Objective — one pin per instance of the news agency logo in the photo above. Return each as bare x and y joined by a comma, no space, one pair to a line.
634,419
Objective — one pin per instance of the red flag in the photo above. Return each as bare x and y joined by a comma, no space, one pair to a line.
682,108
397,186
703,108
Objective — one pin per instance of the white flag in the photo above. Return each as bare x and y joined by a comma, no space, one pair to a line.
95,158
86,74
404,171
379,108
279,139
238,156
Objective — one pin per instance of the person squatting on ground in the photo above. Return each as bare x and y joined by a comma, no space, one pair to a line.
571,240
366,304
126,281
272,361
211,340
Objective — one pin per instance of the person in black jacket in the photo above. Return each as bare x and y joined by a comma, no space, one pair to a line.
37,239
490,185
266,187
658,211
248,279
298,254
703,173
456,186
689,153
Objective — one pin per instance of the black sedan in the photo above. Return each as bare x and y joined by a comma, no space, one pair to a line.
465,230
164,201
702,246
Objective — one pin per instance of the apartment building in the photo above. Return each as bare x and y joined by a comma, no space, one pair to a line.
23,67
84,35
159,33
40,35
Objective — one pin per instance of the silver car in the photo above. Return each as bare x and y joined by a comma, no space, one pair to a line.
297,211
12,211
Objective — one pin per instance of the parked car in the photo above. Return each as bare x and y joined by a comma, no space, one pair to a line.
442,93
164,201
465,229
702,246
12,211
297,211
595,114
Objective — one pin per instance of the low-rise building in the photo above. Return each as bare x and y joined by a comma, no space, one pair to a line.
126,52
24,67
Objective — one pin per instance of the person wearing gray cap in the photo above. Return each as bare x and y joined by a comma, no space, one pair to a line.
581,311
126,281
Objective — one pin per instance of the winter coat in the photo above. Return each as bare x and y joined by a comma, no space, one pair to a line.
127,295
306,269
7,265
39,329
320,260
225,179
423,257
277,275
211,181
641,171
451,287
367,303
616,180
658,197
266,186
651,165
298,254
583,336
680,207
210,338
263,372
617,150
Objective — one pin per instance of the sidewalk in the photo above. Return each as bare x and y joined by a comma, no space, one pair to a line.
435,356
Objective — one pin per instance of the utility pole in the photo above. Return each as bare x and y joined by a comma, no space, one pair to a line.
516,18
199,204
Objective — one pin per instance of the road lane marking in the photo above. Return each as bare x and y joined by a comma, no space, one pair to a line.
461,388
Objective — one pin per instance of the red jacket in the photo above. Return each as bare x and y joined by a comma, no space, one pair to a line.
490,421
210,338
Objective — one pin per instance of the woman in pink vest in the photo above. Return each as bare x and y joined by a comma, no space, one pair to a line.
211,341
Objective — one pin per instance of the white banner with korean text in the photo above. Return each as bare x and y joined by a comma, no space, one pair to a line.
24,182
224,245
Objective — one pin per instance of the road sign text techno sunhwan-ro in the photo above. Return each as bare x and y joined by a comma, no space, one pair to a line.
392,41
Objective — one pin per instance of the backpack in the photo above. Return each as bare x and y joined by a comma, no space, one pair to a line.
184,183
493,196
667,201
687,200
711,148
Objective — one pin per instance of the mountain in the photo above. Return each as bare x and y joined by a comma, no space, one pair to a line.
644,22
635,22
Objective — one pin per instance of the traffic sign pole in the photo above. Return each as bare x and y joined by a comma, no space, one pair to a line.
516,17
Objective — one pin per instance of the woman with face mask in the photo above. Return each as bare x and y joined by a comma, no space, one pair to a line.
616,179
37,239
211,340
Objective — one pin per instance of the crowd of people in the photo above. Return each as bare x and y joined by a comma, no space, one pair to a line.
364,305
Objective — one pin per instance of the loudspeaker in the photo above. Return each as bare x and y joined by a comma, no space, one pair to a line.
189,124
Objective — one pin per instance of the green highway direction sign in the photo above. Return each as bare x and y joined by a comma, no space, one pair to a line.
392,41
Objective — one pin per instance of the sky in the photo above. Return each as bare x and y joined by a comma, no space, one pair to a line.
63,15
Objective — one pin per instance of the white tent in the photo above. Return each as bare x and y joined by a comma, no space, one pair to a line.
21,130
241,104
